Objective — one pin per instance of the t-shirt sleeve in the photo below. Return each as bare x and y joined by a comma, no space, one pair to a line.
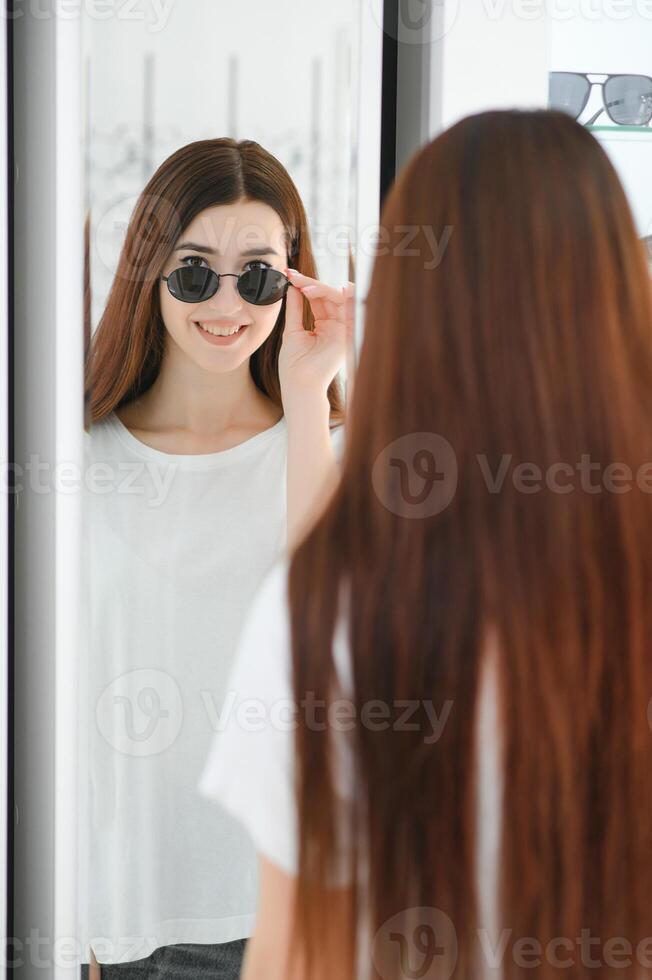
250,769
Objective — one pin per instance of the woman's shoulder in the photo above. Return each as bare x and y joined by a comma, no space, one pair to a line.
96,433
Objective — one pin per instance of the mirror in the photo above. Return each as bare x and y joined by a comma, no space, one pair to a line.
186,433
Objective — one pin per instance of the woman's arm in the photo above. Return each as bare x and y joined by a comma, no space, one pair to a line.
312,470
266,953
308,362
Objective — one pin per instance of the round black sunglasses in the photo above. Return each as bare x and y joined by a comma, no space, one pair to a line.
195,283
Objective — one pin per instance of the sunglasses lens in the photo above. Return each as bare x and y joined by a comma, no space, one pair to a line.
568,92
262,287
628,99
192,284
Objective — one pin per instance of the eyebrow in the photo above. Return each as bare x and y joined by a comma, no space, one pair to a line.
256,250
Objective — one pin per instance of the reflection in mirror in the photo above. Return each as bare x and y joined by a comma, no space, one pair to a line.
218,164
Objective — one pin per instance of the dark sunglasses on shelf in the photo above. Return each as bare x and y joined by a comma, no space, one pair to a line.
627,99
194,284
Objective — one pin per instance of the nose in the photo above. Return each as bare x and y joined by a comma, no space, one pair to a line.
227,301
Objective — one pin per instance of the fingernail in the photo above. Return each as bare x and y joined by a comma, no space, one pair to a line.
293,272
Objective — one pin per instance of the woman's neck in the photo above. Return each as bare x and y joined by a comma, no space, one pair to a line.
198,409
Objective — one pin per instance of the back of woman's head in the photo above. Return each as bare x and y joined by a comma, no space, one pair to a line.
509,300
495,498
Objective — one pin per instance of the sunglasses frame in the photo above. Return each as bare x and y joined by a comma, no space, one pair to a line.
218,276
590,78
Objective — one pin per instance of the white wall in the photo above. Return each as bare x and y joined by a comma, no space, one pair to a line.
492,57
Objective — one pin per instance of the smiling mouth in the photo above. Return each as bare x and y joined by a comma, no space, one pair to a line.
221,331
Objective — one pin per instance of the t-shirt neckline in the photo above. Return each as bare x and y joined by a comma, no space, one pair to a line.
194,460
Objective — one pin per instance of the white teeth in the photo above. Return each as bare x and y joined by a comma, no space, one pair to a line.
219,331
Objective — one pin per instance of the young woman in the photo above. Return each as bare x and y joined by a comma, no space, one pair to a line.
470,670
214,401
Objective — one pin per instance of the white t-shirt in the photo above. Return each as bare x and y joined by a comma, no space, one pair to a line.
250,768
175,549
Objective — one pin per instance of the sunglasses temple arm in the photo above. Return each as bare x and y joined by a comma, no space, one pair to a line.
595,116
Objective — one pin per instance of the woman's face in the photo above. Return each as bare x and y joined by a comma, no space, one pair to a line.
226,238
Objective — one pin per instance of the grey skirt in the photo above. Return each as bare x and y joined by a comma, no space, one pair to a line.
181,961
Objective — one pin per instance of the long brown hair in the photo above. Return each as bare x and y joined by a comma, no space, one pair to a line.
128,346
530,341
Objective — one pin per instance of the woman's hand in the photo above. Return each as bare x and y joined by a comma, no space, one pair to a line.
310,359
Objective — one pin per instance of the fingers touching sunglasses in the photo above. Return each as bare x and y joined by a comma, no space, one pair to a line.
194,284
